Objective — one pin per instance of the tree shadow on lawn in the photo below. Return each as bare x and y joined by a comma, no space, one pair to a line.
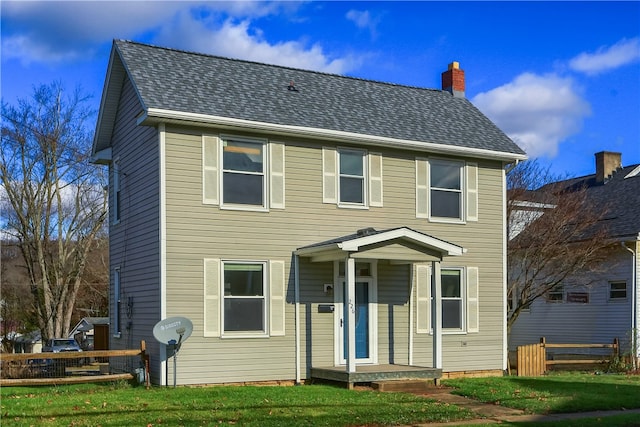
540,395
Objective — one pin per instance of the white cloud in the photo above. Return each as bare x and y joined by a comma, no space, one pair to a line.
537,112
51,31
235,40
364,20
607,58
56,32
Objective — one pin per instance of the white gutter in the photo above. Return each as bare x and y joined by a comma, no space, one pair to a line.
296,299
154,115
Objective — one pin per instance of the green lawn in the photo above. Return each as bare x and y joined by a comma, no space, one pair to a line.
121,405
315,405
555,393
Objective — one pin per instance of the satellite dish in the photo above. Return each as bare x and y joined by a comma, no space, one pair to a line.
173,330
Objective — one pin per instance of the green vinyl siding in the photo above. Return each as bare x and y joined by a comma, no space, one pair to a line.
196,231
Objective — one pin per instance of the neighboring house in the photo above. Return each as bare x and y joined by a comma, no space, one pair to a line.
308,224
92,333
604,305
29,342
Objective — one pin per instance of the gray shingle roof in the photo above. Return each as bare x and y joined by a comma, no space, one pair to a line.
203,84
619,197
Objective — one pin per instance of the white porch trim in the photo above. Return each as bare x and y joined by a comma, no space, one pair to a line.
347,247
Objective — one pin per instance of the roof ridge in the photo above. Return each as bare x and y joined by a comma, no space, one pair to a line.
284,67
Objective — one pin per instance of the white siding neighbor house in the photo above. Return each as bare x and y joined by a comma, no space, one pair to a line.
603,304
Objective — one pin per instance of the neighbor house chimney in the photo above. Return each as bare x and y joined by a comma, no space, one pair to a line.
607,162
453,80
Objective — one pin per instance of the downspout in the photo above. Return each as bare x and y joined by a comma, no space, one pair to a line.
634,297
510,166
296,298
505,270
164,377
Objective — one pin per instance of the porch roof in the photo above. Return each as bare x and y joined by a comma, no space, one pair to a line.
399,244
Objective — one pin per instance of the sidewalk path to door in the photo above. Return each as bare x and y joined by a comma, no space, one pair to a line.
491,414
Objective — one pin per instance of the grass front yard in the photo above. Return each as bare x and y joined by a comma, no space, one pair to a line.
556,392
123,405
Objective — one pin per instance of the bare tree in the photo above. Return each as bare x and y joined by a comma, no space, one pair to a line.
55,200
556,231
16,301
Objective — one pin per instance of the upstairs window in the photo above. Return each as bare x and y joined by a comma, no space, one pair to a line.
352,178
351,188
445,179
243,173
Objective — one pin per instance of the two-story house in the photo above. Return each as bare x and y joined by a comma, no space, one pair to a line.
602,302
308,224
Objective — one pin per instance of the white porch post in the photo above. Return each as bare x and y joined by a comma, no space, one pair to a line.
436,314
350,275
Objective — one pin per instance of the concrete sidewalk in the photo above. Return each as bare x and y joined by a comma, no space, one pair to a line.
491,414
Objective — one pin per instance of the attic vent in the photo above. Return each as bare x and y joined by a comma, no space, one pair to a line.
366,232
292,87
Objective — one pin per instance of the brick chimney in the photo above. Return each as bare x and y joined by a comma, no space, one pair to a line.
607,162
453,80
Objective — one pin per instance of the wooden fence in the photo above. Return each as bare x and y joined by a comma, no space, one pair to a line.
532,358
19,369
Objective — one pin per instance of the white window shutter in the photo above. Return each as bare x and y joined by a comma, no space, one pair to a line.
329,175
472,191
473,313
422,188
375,179
210,161
277,298
276,164
423,299
211,297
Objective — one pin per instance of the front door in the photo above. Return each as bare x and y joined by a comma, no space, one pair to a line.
365,320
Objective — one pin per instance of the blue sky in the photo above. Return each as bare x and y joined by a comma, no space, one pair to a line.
562,79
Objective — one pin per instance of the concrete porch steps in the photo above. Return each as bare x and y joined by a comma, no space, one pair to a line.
406,386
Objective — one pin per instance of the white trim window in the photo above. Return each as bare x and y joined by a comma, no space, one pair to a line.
556,294
352,178
453,306
618,290
244,298
352,172
117,203
460,299
243,173
446,189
